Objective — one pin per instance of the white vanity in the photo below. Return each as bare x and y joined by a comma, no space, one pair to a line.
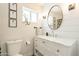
49,46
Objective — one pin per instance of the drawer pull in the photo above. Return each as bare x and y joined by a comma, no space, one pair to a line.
58,50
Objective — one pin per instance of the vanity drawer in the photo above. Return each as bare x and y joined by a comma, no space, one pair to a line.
39,42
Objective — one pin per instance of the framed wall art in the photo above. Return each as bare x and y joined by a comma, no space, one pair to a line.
71,6
12,15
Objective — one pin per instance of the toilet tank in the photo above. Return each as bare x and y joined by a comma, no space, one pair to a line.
14,47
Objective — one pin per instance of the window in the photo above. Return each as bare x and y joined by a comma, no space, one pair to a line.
29,15
26,14
34,17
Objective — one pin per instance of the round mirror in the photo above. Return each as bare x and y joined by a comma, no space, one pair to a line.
55,17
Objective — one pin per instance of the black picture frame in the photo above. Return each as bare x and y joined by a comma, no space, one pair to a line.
12,15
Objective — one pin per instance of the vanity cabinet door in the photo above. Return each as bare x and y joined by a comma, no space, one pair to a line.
49,49
40,46
58,49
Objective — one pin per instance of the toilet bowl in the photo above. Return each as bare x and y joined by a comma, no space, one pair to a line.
14,47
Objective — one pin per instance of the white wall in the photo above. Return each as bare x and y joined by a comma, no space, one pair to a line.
70,24
68,29
23,32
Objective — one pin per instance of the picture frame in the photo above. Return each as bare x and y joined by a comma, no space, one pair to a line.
12,15
13,6
12,23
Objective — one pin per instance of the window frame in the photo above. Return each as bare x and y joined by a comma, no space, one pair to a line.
30,11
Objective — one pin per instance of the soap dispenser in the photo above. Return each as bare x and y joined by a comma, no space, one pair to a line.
46,33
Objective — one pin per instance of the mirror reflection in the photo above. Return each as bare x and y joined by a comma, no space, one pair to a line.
55,17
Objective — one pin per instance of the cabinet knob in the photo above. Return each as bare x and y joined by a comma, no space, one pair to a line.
43,41
58,50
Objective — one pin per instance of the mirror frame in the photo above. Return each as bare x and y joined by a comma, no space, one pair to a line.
59,19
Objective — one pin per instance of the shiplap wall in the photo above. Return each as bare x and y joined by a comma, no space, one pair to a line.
70,24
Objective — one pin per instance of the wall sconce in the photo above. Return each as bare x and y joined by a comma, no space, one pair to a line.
71,6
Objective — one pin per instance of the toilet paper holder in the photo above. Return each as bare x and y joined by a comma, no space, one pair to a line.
27,42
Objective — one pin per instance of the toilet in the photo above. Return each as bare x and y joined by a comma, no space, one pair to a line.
14,47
